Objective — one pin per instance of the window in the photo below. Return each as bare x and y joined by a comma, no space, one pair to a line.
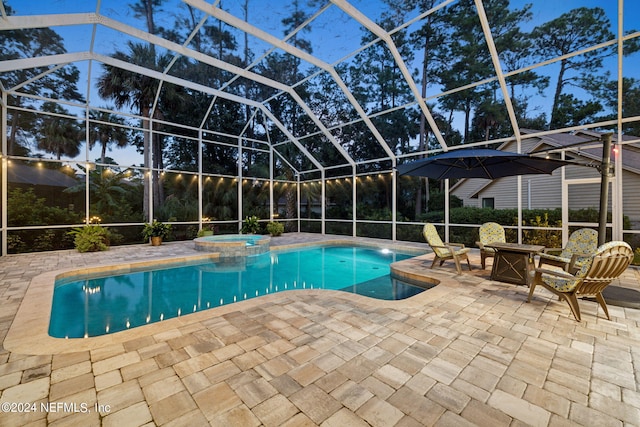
488,202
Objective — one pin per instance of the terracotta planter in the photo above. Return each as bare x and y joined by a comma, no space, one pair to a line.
156,240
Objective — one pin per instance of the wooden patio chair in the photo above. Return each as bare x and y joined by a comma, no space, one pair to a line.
582,241
490,232
444,251
589,280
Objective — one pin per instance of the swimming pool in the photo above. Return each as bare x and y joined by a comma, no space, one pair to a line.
86,307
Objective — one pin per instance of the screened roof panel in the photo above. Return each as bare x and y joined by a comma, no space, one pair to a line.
333,35
284,68
631,91
329,101
279,60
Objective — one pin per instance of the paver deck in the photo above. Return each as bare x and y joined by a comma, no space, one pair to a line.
468,352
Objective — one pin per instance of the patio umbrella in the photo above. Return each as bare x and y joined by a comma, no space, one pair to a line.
479,163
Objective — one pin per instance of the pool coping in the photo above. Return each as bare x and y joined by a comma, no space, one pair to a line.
28,333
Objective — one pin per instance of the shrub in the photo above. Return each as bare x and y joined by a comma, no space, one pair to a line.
275,228
436,201
547,238
90,238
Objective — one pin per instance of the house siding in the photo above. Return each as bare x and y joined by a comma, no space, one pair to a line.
631,197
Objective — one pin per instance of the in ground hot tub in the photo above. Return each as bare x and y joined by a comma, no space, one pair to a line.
234,245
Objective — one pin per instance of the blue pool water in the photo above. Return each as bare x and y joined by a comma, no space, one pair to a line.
103,305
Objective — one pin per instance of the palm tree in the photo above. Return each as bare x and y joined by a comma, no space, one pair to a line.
106,128
127,88
58,135
107,188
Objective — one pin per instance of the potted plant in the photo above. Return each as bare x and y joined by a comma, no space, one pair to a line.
156,231
251,225
275,228
206,230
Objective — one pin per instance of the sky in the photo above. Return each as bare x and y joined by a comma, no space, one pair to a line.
333,35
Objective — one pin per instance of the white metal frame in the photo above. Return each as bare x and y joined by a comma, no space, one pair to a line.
97,19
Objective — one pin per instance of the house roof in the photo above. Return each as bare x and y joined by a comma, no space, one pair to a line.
630,156
19,173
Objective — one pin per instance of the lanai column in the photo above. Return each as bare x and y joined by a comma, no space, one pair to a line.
5,164
200,182
240,177
394,194
354,223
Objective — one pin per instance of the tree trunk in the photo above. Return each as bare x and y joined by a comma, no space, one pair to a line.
146,126
423,127
292,205
12,135
558,92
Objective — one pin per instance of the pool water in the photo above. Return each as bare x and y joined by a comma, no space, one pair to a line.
103,305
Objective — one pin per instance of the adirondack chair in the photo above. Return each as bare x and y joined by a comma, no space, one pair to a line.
582,241
444,251
589,280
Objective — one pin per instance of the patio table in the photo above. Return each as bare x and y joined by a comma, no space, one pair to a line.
513,262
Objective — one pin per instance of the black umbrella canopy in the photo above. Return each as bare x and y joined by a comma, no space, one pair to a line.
479,163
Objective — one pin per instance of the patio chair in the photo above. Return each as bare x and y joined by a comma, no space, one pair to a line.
444,251
490,232
607,264
582,241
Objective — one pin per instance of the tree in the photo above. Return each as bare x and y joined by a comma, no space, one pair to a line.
58,84
107,129
426,39
126,88
285,68
56,134
464,59
223,116
607,93
109,191
146,9
571,111
380,87
571,32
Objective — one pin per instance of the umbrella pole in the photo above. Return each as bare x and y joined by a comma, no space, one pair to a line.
604,188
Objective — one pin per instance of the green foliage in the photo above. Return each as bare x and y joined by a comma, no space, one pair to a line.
509,218
570,32
251,225
156,229
436,201
91,238
114,194
275,228
368,212
25,208
636,257
547,238
205,231
15,244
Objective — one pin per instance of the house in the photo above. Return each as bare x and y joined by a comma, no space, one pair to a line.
545,191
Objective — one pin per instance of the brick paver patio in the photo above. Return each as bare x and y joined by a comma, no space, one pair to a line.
468,352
